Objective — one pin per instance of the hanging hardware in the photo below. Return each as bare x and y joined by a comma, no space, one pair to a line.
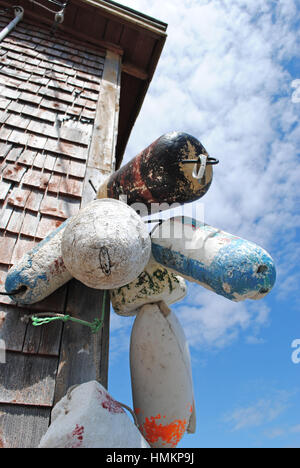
198,174
159,221
60,4
92,185
210,161
58,14
204,161
19,13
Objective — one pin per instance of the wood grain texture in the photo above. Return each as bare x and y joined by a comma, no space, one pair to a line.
102,152
22,426
83,355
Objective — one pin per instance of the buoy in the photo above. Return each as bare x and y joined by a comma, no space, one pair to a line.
88,417
40,271
156,283
228,265
162,387
106,245
160,174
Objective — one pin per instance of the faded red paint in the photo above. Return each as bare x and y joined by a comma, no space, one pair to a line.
108,403
75,439
167,435
57,267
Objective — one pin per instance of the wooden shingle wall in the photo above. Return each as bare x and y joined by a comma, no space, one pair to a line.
50,89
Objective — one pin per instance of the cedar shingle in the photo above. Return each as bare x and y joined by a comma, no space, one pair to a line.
15,221
54,183
27,157
35,141
30,224
5,133
3,103
58,106
16,136
22,246
16,120
14,172
57,95
30,87
36,178
70,186
14,154
15,107
39,160
60,207
42,129
4,189
6,249
49,162
46,225
29,97
41,114
66,148
77,169
10,93
5,216
62,165
74,135
34,200
4,149
18,197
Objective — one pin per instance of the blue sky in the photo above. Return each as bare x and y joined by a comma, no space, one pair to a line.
230,76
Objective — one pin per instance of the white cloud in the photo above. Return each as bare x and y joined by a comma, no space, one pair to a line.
296,93
212,321
222,78
259,413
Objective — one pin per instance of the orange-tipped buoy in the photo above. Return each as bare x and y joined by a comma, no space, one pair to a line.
161,376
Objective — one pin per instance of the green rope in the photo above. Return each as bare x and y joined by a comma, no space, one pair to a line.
95,326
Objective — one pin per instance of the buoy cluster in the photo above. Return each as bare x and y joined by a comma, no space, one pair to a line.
108,246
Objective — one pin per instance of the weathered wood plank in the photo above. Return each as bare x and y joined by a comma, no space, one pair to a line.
102,151
12,329
43,340
81,350
27,379
21,426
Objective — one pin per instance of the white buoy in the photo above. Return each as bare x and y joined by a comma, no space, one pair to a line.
161,376
88,417
156,283
106,245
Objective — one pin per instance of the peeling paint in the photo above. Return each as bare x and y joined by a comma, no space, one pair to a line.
156,283
157,174
228,265
41,270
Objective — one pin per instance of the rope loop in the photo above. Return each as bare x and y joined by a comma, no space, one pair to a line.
45,318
